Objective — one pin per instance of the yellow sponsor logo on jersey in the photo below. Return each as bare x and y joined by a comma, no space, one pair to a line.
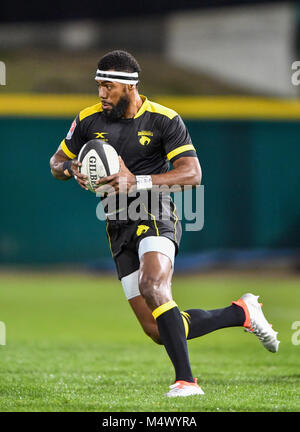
100,135
145,133
141,229
145,140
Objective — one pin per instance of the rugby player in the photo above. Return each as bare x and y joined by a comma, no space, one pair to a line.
148,137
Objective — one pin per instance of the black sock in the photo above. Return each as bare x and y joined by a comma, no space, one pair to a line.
201,322
172,334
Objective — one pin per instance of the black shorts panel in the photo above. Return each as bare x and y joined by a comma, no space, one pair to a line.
126,262
125,237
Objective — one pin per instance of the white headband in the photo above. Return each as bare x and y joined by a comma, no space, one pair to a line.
121,77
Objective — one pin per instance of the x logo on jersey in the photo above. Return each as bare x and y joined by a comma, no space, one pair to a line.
100,134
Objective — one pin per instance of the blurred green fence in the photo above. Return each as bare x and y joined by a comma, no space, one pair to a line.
251,175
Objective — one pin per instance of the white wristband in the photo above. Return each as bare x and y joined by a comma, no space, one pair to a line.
143,182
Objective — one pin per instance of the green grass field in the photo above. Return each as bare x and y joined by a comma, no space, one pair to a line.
73,344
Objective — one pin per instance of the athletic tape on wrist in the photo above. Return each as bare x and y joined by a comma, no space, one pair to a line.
68,166
143,182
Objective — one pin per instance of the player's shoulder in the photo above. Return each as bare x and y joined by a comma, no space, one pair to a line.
156,108
89,111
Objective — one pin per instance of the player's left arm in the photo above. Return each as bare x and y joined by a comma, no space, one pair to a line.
186,172
179,150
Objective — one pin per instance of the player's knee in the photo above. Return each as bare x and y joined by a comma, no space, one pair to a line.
148,283
154,289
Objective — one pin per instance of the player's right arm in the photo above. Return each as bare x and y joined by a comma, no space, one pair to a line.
63,163
58,170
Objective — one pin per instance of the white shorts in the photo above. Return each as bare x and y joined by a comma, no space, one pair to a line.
160,244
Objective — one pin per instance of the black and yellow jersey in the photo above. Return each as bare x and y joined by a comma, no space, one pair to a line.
146,143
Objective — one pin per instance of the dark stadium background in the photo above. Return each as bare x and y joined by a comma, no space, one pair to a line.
250,161
67,9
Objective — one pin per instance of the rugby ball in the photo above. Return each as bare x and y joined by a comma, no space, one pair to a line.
99,160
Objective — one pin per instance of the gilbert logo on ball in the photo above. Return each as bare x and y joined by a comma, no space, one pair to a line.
2,73
93,171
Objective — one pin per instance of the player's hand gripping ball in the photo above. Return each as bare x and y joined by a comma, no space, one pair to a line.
98,160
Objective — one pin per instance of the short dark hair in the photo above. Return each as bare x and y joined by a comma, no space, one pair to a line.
119,60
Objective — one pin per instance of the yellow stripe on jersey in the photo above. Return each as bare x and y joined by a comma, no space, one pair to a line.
155,108
90,110
160,109
163,308
66,150
179,150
